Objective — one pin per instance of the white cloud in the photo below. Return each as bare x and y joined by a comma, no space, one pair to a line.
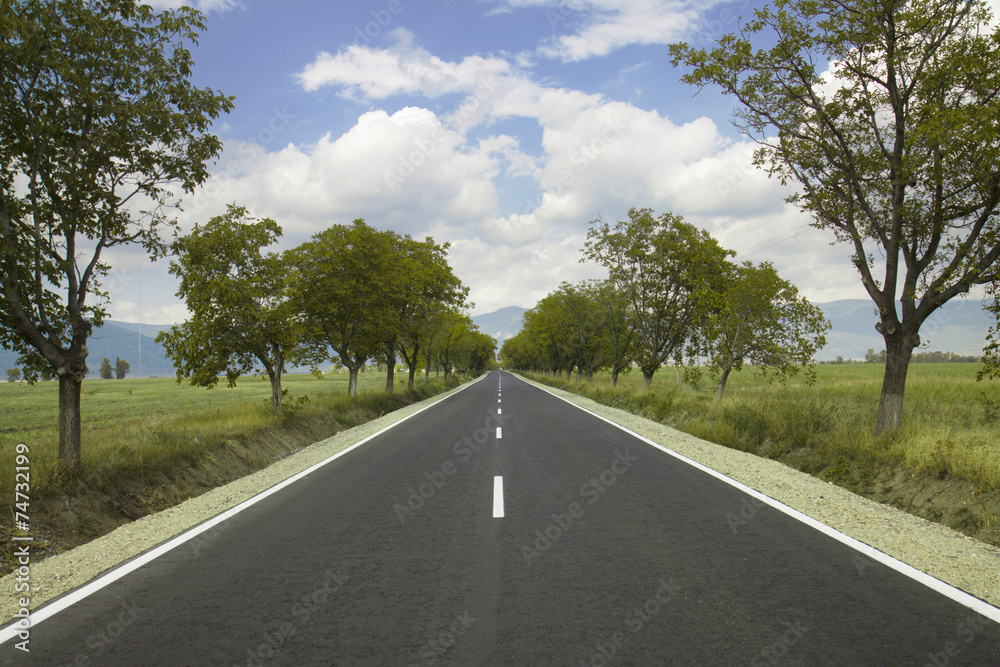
201,5
404,69
407,171
423,172
602,26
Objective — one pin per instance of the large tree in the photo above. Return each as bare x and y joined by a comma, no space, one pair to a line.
673,274
421,282
98,121
886,114
237,297
761,321
341,283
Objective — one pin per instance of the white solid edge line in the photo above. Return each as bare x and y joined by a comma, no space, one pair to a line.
946,589
498,497
51,608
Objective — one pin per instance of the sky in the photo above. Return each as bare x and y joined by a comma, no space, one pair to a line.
503,127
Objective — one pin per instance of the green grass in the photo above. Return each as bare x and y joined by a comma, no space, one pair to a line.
951,423
140,427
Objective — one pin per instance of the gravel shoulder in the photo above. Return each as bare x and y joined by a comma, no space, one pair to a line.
943,553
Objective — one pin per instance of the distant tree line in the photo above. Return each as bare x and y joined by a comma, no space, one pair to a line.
672,296
352,294
935,357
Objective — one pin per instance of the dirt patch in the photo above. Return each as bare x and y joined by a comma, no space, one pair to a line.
953,503
63,522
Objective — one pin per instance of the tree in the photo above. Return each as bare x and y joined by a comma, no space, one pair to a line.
549,326
105,371
98,122
672,273
895,150
339,285
122,368
422,281
240,312
13,374
763,322
619,328
991,353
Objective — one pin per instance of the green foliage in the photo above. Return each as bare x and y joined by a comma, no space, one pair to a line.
240,314
106,371
672,274
13,375
338,284
423,284
96,113
122,368
895,149
763,322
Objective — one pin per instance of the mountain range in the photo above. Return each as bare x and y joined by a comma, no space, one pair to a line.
960,326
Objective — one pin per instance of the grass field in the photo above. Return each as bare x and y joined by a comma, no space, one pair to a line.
951,425
139,427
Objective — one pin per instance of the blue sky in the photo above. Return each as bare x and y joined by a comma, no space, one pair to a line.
501,126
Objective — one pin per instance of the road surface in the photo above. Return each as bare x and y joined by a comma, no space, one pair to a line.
504,526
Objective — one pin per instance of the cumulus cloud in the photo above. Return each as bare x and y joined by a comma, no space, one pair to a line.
404,69
598,27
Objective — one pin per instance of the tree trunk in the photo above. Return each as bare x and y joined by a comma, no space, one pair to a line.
390,363
579,374
898,349
614,377
413,375
70,388
275,390
647,378
352,381
274,371
722,382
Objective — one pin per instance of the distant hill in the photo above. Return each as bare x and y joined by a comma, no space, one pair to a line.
501,324
959,326
122,340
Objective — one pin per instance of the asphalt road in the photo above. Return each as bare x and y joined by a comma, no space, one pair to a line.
602,551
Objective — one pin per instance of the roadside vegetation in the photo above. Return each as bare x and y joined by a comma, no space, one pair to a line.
943,463
144,427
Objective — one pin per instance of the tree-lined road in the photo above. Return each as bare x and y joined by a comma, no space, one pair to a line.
605,551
